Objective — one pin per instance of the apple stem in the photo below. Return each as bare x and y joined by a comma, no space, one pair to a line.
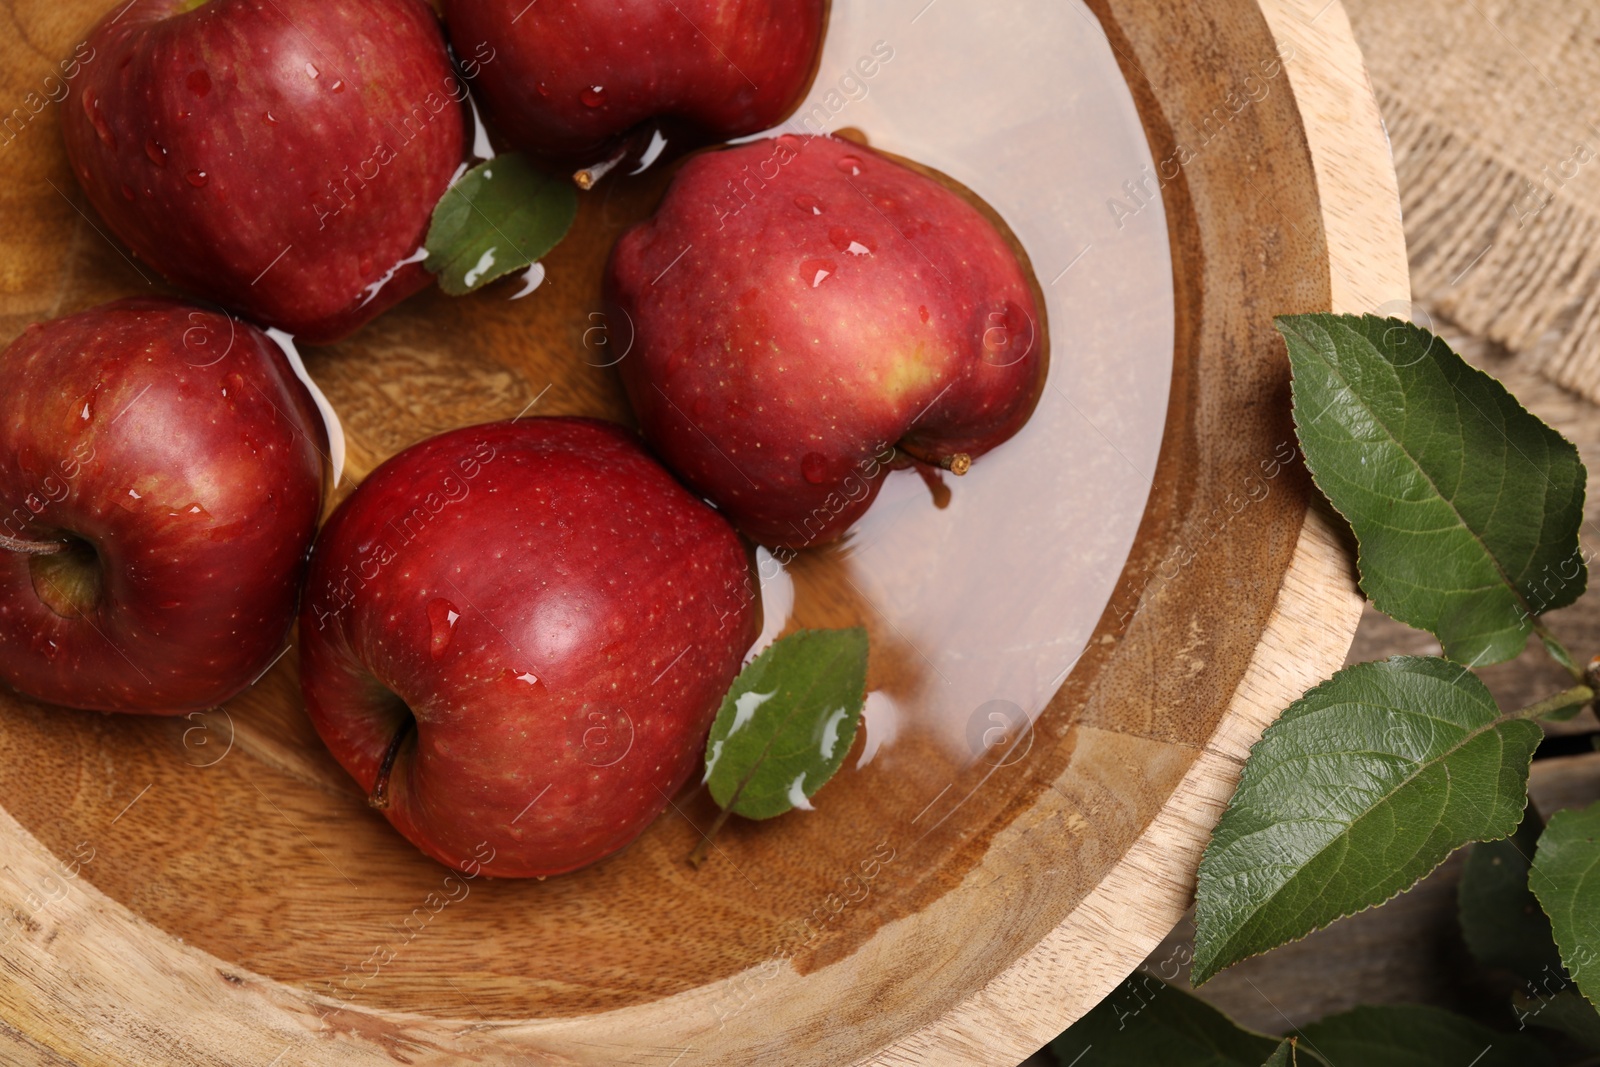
957,463
379,797
703,849
32,548
590,176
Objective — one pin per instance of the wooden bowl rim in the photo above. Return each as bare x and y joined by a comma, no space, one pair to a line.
1306,639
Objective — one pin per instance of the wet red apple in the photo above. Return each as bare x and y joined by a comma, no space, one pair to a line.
515,638
804,313
161,474
572,76
281,157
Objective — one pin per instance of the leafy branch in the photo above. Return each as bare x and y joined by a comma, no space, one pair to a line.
1465,510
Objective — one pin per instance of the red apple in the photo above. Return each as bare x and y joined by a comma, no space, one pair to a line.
571,76
805,312
282,157
515,638
161,471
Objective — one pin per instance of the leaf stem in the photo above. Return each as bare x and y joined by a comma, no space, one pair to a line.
703,849
1575,697
1558,651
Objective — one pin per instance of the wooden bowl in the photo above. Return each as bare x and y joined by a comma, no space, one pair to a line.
211,890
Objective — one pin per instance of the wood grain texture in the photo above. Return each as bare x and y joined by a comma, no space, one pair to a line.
169,907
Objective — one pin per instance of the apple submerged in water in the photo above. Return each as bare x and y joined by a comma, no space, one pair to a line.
161,473
515,638
570,76
807,313
282,157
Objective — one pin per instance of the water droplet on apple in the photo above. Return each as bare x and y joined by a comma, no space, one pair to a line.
813,272
850,165
922,313
338,85
814,466
808,203
91,105
130,498
157,154
199,82
127,192
312,71
593,96
442,616
845,243
196,178
789,140
518,677
544,90
233,385
266,116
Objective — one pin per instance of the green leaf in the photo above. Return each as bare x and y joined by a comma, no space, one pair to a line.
1145,1021
1466,507
501,216
1559,653
787,722
1566,879
1411,1036
1564,1011
1282,1056
1500,918
1364,785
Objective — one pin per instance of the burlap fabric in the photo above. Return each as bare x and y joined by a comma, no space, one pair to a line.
1493,107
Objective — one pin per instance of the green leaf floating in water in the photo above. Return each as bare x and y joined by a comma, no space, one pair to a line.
1566,879
1364,785
1410,1036
501,216
787,722
1146,1022
1466,507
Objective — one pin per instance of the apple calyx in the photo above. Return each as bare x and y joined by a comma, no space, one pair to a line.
68,579
31,548
378,799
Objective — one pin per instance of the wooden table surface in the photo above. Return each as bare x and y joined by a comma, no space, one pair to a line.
1410,950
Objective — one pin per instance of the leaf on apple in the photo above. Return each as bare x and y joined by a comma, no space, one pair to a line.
502,216
787,722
